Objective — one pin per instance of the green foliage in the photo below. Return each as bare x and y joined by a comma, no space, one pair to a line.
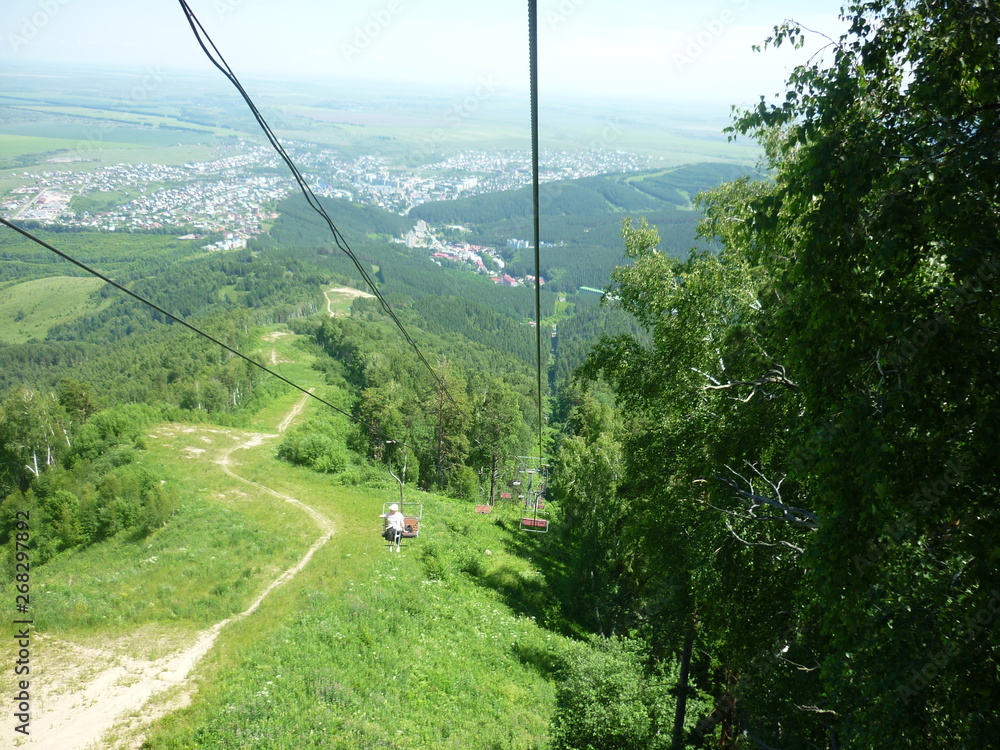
433,558
588,324
319,443
34,434
122,425
498,432
886,271
807,436
478,323
300,225
464,484
454,428
90,501
609,697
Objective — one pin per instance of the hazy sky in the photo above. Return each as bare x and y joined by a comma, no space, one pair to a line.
656,49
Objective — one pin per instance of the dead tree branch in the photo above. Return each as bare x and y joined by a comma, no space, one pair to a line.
775,376
754,501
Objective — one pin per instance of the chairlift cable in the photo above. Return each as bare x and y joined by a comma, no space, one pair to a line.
176,319
217,59
215,56
533,75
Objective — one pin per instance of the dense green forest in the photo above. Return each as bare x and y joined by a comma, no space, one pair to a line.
119,256
794,491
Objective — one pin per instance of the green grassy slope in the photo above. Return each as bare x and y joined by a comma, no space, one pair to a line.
439,646
29,309
371,649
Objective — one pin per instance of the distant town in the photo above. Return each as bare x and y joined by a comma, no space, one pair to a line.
232,198
233,193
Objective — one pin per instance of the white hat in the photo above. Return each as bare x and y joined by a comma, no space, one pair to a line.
394,507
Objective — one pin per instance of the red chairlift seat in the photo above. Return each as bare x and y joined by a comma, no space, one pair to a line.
484,509
538,525
538,504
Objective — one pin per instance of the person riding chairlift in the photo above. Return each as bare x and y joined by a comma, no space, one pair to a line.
393,526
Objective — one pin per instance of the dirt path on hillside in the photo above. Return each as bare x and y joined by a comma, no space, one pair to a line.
96,689
342,290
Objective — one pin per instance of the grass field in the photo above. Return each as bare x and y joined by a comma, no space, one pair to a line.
340,299
131,118
443,645
438,647
19,145
29,309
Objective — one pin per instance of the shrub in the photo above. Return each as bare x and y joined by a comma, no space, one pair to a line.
435,561
472,563
122,425
609,700
318,444
464,484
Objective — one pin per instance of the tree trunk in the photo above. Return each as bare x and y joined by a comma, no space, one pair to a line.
682,690
34,460
493,478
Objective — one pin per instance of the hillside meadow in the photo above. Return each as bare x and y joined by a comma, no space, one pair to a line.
33,307
441,645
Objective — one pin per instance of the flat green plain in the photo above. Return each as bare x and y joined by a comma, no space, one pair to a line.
132,118
18,145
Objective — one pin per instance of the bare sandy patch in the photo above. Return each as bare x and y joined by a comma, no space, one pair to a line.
348,292
232,496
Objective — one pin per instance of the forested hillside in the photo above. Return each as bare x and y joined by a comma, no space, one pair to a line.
117,351
581,219
400,273
794,492
632,193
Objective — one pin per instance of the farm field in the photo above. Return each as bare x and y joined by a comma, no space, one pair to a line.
18,145
131,118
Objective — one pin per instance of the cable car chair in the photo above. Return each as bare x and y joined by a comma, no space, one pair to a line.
533,500
412,513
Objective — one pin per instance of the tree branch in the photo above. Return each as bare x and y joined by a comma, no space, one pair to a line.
781,543
753,500
775,376
817,710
